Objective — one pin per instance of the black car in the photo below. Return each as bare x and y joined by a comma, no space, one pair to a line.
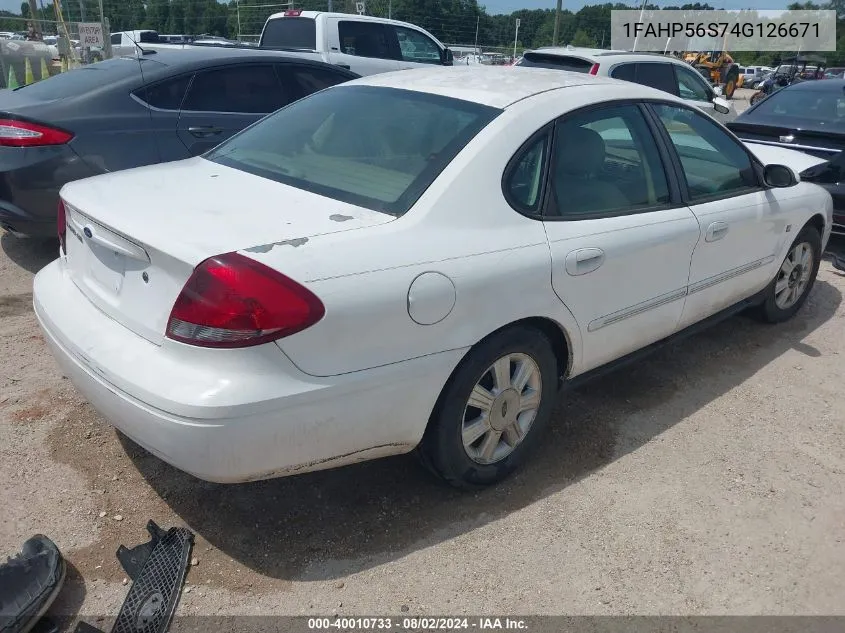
808,116
129,112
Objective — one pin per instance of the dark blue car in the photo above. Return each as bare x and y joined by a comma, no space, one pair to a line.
128,112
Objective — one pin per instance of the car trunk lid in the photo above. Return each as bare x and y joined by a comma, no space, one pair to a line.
134,237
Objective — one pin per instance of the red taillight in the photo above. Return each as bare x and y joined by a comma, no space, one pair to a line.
61,225
25,134
594,69
233,301
293,12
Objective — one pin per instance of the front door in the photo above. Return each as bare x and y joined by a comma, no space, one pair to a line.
620,237
742,224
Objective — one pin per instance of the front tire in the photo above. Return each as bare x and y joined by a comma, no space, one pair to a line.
493,409
794,279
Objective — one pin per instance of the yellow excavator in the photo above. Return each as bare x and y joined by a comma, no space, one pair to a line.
718,67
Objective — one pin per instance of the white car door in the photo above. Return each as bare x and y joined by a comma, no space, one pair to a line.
743,224
417,50
364,47
620,236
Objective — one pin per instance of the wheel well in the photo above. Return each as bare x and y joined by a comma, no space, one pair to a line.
817,221
554,332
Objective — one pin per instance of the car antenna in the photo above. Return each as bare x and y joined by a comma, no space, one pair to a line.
143,51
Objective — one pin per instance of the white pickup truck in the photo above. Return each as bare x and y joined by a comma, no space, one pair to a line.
363,44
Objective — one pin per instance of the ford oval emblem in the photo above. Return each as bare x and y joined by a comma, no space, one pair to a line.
87,231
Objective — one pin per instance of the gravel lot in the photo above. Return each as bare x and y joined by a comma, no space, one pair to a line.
708,479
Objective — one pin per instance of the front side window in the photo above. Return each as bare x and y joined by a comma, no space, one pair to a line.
416,47
248,89
690,85
606,162
379,148
714,164
364,39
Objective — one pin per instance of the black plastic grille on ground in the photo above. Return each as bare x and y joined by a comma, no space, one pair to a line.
155,590
157,570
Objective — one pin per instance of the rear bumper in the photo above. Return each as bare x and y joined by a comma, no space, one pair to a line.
233,415
30,180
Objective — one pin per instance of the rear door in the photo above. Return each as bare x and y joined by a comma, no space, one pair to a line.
364,47
620,236
164,99
222,101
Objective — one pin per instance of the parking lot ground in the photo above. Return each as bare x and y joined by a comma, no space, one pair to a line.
708,479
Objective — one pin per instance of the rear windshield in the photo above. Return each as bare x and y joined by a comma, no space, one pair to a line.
824,106
379,148
300,33
83,80
558,62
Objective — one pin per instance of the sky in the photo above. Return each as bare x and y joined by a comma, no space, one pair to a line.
507,6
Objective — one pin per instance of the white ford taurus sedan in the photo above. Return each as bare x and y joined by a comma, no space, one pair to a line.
413,260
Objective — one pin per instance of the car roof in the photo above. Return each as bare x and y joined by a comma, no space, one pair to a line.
596,55
199,55
498,87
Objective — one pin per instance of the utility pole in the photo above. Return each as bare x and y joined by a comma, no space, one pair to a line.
642,11
238,11
390,9
36,23
515,37
477,20
557,23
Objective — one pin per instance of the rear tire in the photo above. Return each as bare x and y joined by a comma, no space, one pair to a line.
794,279
493,410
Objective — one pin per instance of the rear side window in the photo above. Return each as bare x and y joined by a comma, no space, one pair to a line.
556,62
625,72
379,148
249,89
657,75
83,80
165,95
115,39
365,39
298,33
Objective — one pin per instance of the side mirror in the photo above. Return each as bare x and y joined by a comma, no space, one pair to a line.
722,106
779,176
448,57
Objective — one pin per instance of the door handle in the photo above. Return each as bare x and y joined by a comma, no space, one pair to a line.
583,261
204,131
716,231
